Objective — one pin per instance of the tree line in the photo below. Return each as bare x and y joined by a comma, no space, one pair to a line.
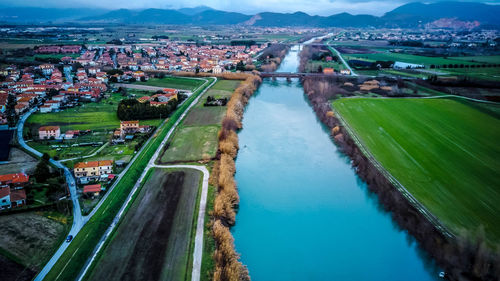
132,109
227,264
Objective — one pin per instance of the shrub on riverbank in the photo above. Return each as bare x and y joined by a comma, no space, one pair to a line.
272,57
465,256
227,266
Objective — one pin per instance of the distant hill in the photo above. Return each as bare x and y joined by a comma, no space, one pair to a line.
408,15
148,16
414,13
42,15
195,10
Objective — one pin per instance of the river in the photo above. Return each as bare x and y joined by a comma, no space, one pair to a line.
304,214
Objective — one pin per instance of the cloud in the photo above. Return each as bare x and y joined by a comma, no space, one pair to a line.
313,7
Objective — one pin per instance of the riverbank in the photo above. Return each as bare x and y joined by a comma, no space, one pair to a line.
272,57
227,264
459,256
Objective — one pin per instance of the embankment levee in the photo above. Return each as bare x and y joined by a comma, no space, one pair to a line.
460,256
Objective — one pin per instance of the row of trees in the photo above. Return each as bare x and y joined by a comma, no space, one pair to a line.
469,254
227,264
272,56
131,109
10,110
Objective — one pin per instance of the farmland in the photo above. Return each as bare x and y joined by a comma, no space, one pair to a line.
191,144
483,59
196,138
30,238
390,56
174,82
153,240
70,263
437,149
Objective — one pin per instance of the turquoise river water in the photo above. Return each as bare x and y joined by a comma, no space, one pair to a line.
304,214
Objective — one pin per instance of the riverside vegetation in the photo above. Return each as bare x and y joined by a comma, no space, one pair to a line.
466,255
227,264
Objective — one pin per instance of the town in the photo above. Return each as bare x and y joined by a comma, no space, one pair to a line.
202,144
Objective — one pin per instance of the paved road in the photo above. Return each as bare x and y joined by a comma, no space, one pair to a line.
144,87
343,61
78,219
151,164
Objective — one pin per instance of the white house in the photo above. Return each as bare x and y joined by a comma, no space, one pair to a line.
45,108
4,197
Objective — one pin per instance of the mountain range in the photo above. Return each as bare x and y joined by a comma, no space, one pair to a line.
408,15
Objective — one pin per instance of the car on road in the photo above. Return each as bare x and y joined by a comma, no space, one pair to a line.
69,238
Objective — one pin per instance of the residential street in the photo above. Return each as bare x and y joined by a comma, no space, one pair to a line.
78,219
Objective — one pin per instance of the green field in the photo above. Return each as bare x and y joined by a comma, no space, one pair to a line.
482,59
196,138
444,152
174,82
484,73
100,117
192,143
72,260
388,56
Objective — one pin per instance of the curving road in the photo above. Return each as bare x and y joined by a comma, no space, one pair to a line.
78,220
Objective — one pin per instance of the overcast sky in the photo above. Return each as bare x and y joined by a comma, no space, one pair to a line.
313,7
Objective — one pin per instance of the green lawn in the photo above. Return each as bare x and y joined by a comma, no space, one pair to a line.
444,152
72,260
174,82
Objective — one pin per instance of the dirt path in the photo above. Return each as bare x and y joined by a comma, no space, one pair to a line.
152,240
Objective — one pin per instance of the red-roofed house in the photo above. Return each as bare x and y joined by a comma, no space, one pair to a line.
18,180
93,188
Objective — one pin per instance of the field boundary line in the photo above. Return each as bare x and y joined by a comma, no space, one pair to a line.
137,184
200,222
399,186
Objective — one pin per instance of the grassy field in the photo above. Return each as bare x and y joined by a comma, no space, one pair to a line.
490,73
152,241
192,143
70,263
196,138
482,59
174,82
99,117
388,56
208,263
444,152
